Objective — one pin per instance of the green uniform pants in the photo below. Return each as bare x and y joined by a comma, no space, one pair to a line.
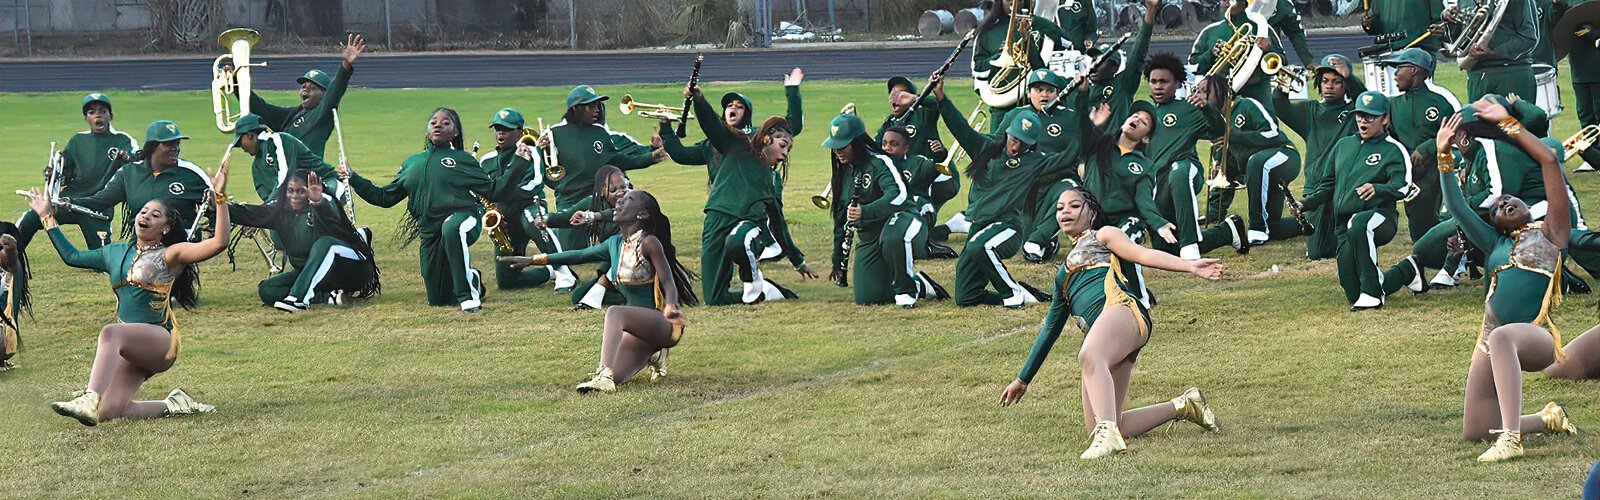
1429,252
1178,201
1504,80
519,231
96,232
447,271
871,277
1358,252
331,266
1588,103
903,240
982,264
1322,244
727,243
1267,174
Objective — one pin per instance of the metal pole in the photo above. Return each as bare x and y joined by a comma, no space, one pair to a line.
572,23
388,28
832,23
27,19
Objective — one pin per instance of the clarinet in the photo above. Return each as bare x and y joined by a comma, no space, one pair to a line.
850,228
1297,210
688,102
938,75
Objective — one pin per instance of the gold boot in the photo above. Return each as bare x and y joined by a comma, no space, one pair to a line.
1506,447
658,365
1191,406
85,408
601,382
179,403
1107,441
1555,420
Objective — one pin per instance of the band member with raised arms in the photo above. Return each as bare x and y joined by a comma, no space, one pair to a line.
328,259
1092,292
1179,125
1117,79
989,51
312,120
921,127
1063,125
1404,22
89,160
1079,25
157,172
518,173
905,234
583,144
1504,62
1417,112
1322,123
150,274
14,296
1117,173
440,186
644,265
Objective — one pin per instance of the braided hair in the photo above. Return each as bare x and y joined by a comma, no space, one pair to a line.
23,272
658,225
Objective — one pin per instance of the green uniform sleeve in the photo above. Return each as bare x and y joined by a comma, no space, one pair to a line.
94,260
1259,130
779,226
630,155
717,133
1215,124
335,93
1477,231
680,154
1132,74
109,196
274,115
1287,21
1584,239
1200,54
600,252
894,193
969,139
796,114
564,219
1054,322
385,196
1320,191
1295,114
251,215
1398,165
1144,193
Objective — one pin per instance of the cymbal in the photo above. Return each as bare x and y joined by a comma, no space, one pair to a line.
1584,16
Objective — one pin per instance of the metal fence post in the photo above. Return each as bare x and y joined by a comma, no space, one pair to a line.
388,28
27,19
572,23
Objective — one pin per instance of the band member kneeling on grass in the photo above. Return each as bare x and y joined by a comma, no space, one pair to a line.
1092,290
14,298
594,212
440,183
644,265
905,235
150,275
328,259
1524,261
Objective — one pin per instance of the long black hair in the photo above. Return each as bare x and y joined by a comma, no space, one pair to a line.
598,202
19,284
455,118
341,227
658,225
862,148
571,116
186,286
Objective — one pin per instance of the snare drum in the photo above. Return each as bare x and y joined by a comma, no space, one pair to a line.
1379,77
1549,92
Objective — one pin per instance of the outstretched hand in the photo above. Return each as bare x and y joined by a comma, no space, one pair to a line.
1100,115
1013,393
794,77
1447,133
1210,269
1490,111
39,203
314,188
353,47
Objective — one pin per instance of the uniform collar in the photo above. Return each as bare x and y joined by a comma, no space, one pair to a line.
1123,149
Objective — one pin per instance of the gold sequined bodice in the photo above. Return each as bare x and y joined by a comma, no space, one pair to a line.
1087,252
633,266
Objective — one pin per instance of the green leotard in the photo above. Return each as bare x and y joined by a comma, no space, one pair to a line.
1091,279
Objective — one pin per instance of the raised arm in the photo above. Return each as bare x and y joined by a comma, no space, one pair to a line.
183,254
717,133
969,139
680,154
1126,249
385,196
83,259
260,216
791,92
1476,230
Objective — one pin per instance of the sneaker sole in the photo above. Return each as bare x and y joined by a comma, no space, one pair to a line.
82,419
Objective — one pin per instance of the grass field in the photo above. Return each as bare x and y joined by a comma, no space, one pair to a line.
816,397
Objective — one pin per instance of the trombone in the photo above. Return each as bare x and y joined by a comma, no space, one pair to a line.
1580,141
662,112
234,80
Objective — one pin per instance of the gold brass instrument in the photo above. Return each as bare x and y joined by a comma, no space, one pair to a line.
1580,141
1240,57
1478,29
346,196
662,112
547,138
1003,88
979,120
235,80
848,109
1289,79
824,199
495,224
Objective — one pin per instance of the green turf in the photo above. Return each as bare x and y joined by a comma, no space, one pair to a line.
818,397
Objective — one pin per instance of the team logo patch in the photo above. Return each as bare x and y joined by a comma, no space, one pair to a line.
834,130
300,120
504,114
1136,168
172,128
271,160
1366,99
1109,91
1054,130
1169,119
113,153
97,96
906,174
912,130
1027,124
599,147
1374,158
1012,162
175,188
1344,116
1431,114
1075,7
448,162
866,181
1238,121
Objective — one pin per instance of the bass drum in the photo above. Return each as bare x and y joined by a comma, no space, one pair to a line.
1378,77
1549,98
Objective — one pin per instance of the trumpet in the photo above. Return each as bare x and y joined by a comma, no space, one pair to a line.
234,80
824,199
1240,57
848,109
1580,141
1289,79
547,137
661,112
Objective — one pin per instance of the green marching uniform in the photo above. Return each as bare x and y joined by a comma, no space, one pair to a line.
1285,22
1583,63
519,196
1270,164
878,186
1405,20
590,292
1091,280
990,45
328,260
1548,12
438,184
1508,68
1062,130
1414,120
1367,224
905,235
88,162
1123,182
583,149
1077,21
997,205
1178,126
311,126
923,126
135,184
278,154
1203,54
1322,123
1119,90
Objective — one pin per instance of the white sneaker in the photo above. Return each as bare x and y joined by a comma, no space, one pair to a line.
1258,238
565,281
752,293
286,305
905,301
958,223
770,292
1366,302
1443,280
1585,167
1416,285
1031,249
1191,252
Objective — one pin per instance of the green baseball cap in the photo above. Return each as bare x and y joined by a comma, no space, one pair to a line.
1327,66
246,124
508,118
844,130
1555,145
583,94
1413,56
1144,106
317,76
163,131
900,80
1372,103
1025,127
94,98
1469,114
1046,77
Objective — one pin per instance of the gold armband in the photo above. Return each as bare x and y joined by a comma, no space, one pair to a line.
1447,163
219,199
1511,127
48,221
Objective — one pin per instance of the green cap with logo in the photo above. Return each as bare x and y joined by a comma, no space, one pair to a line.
900,80
1413,56
247,124
508,118
1025,127
1326,66
1143,106
844,130
94,98
163,131
1046,77
1469,114
583,94
317,76
1372,103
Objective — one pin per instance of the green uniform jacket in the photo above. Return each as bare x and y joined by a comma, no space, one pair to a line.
741,185
1514,38
1499,168
135,184
134,304
299,231
1077,21
1123,182
1584,59
882,192
312,127
1253,130
1202,54
582,149
1415,115
599,229
1545,52
1285,21
1065,127
280,154
1179,125
1408,18
89,160
438,181
1321,124
923,125
920,174
1380,161
518,182
1119,92
990,44
1002,194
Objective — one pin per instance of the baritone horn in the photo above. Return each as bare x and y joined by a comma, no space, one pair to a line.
662,112
233,76
978,119
1580,141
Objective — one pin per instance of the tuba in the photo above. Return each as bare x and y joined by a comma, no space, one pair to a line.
547,137
1580,141
1003,88
662,112
1478,29
234,80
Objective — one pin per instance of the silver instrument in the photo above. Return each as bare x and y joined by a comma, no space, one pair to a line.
1478,29
54,179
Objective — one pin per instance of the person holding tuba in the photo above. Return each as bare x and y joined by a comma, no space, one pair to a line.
312,120
518,173
1322,123
920,128
1010,45
1249,27
1179,126
157,172
583,143
1502,62
88,162
328,259
1405,22
1414,118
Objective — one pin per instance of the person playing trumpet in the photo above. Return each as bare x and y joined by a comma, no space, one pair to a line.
1322,123
320,93
1238,20
519,177
583,143
89,160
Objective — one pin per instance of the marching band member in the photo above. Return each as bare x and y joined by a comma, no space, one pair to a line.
1091,291
312,120
1119,176
157,172
1117,79
14,296
151,273
1179,125
519,195
905,235
328,259
921,128
1404,21
1079,25
1368,176
644,265
595,213
1270,163
276,156
89,160
876,189
1417,112
1322,123
1524,258
989,51
1504,61
1203,54
1583,63
1285,23
439,185
583,144
1064,123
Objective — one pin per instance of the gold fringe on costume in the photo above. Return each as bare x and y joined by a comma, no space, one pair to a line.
1552,294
